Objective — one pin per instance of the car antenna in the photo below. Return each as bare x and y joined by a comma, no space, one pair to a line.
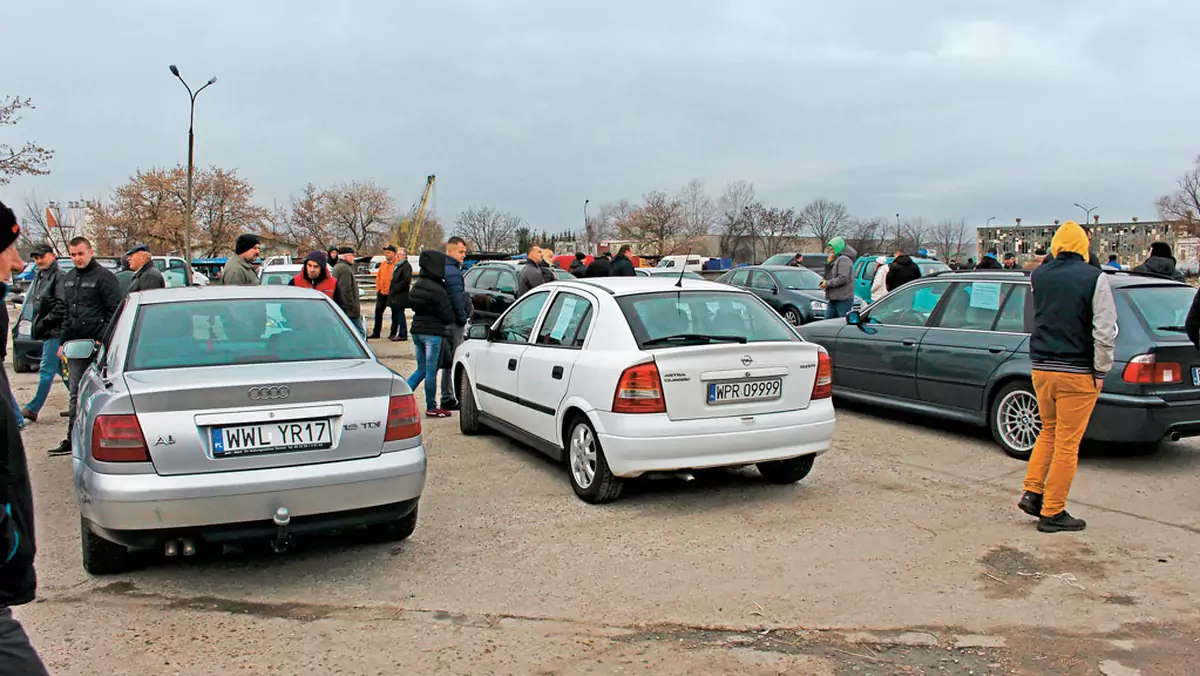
683,269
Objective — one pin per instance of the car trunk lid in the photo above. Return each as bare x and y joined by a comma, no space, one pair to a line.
228,418
726,380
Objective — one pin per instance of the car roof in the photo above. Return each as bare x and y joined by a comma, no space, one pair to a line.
625,286
284,267
185,294
774,268
1116,278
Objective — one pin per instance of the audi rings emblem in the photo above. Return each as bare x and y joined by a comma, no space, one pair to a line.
271,392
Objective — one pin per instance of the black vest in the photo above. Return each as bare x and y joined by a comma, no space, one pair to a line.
1063,290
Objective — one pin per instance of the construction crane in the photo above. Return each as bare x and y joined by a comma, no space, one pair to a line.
416,218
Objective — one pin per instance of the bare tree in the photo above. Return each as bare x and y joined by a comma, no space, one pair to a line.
912,234
487,229
868,235
359,212
777,228
735,222
825,219
697,211
305,220
30,158
949,238
1182,207
658,226
608,219
45,223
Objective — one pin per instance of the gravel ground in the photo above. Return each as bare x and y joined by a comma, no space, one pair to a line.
903,552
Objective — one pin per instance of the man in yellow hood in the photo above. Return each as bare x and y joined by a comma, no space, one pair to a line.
1071,347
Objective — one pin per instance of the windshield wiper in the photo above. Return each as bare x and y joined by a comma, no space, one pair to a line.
1180,329
688,337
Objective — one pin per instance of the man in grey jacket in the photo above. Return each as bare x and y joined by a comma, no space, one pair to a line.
239,271
343,272
531,272
145,275
839,279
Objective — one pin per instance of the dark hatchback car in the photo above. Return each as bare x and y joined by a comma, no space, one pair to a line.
956,345
794,292
492,287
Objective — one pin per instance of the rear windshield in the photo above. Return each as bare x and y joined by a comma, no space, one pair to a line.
278,278
1164,308
243,331
932,267
701,317
779,259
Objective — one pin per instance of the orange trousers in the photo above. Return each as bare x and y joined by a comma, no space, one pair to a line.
1065,403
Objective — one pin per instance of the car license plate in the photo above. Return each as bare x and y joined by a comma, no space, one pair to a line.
1196,376
740,391
297,435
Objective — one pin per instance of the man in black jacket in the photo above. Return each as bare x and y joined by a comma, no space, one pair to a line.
578,267
92,295
145,275
601,266
398,295
18,582
49,312
902,270
621,265
1161,263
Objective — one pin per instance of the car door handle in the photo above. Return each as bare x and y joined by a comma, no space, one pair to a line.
556,372
908,342
995,349
512,364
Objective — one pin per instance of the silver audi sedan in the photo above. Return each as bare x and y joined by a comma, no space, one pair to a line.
222,414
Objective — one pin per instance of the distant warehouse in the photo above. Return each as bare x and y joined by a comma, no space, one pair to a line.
1130,241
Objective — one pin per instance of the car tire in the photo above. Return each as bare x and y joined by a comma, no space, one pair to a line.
468,413
787,471
101,557
1013,419
20,366
587,467
394,531
792,316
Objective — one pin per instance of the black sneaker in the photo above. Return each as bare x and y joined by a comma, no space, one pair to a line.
62,449
1061,522
450,406
1031,504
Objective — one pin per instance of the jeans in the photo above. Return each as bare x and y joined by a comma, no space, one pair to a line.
17,656
51,366
75,370
358,324
429,350
456,338
1065,403
12,396
838,308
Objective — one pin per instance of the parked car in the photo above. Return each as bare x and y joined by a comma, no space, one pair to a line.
492,287
280,274
865,267
693,263
192,434
812,261
956,346
668,273
794,292
623,376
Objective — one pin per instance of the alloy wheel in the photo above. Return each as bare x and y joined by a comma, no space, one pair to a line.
1019,423
583,456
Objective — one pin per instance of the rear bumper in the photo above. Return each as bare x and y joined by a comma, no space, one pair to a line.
1135,419
636,444
149,502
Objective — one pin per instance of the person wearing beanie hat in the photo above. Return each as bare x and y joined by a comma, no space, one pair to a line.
239,270
343,272
18,582
315,275
1071,347
1161,263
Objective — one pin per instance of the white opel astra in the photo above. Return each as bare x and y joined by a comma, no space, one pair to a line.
622,377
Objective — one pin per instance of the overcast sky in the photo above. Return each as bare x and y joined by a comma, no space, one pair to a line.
936,108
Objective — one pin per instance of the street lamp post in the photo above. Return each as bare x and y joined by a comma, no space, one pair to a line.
587,232
1087,221
187,213
988,224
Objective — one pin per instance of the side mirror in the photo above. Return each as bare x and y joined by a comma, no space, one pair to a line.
775,290
854,318
79,349
508,290
479,332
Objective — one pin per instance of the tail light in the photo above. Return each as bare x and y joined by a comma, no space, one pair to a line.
823,385
118,438
639,391
402,421
1145,369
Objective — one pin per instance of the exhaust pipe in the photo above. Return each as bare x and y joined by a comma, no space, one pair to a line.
171,548
1175,436
189,548
282,539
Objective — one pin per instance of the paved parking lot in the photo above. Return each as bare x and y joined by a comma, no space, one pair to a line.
903,552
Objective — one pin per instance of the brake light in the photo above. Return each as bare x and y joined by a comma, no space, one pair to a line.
639,391
402,421
823,385
118,438
1145,369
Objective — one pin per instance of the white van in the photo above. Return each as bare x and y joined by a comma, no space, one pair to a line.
693,263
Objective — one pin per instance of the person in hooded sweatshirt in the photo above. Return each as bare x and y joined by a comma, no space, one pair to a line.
1161,263
1071,347
601,266
432,313
989,262
578,267
839,278
315,275
902,271
879,280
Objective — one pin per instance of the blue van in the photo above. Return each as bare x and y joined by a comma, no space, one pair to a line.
865,267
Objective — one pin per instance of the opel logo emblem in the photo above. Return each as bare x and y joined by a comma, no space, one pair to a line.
269,392
746,360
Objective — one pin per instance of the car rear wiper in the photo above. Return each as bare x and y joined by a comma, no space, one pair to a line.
1180,329
688,337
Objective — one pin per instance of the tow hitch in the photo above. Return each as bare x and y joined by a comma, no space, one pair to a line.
282,539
